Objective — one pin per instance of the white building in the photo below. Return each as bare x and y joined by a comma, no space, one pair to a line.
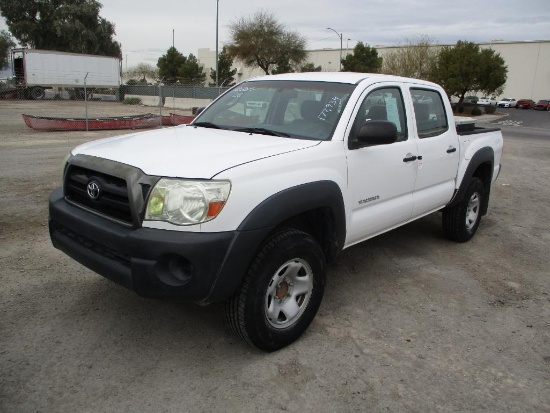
528,65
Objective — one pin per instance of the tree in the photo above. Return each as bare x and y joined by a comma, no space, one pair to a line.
285,63
63,25
364,59
227,75
169,65
493,72
310,67
466,68
143,71
416,58
261,41
6,43
282,66
191,72
175,67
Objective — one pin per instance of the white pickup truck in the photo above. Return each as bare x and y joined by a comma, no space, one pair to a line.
271,181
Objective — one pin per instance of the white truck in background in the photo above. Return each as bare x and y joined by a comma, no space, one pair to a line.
35,71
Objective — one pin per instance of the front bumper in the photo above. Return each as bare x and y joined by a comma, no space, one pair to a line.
186,266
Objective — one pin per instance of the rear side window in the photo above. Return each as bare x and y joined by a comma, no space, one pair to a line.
429,113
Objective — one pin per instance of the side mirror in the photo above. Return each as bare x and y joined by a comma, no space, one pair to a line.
197,110
376,132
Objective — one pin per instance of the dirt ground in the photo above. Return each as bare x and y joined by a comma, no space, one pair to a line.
410,322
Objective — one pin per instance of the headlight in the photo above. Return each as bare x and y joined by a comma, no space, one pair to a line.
186,202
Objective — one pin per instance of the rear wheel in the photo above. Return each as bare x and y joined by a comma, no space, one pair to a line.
460,222
280,293
78,94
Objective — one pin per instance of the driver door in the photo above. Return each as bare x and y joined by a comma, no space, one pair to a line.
381,178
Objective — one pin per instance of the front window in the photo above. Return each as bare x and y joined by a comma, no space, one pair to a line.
294,109
382,104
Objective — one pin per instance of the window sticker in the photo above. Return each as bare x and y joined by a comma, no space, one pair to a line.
393,112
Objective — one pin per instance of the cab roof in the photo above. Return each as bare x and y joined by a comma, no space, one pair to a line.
339,77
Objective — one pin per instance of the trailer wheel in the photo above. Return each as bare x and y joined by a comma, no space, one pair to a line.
37,93
78,94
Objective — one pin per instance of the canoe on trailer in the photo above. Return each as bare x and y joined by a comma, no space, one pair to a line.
174,119
180,119
42,123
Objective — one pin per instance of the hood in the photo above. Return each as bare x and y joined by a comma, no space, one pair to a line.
188,151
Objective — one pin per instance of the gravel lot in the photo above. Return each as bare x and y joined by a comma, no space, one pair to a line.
410,322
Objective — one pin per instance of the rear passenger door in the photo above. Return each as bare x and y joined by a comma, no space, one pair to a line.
381,178
438,151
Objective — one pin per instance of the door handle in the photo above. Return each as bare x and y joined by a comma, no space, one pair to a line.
409,159
451,150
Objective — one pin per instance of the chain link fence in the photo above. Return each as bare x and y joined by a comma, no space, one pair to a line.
125,107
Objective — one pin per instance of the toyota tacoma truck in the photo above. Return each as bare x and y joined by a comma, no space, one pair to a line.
248,203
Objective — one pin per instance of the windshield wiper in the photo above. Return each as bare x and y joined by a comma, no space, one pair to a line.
263,131
206,125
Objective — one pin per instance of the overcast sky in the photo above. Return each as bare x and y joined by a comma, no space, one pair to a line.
144,27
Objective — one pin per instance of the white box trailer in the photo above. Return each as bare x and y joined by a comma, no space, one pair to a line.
36,70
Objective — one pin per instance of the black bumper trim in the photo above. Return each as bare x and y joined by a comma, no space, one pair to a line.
207,266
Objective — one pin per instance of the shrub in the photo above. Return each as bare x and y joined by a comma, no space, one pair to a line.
490,109
132,101
476,112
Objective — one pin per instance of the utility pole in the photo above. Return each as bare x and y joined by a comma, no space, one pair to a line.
340,36
217,60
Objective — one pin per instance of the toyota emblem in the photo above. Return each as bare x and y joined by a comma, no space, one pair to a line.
93,190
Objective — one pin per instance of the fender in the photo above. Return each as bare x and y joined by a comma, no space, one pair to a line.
265,217
482,156
293,201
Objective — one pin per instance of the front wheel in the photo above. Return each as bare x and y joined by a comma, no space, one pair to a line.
460,222
37,93
280,293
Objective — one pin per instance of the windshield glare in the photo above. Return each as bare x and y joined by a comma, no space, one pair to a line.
297,109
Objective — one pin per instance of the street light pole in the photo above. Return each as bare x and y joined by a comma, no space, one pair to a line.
217,61
340,36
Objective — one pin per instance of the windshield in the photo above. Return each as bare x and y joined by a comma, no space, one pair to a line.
294,109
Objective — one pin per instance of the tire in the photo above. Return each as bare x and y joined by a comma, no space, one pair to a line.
461,221
280,293
37,93
78,94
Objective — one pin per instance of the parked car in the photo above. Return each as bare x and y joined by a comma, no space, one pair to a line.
485,101
525,104
506,103
470,99
543,104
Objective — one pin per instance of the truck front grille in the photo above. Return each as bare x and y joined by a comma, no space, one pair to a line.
112,198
